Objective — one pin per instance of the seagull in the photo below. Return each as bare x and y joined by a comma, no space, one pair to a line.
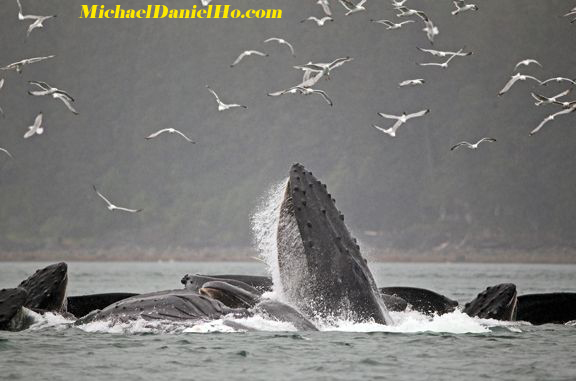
223,106
282,41
319,22
56,94
398,3
527,62
324,68
391,25
248,53
461,6
470,145
303,91
551,117
444,64
400,120
1,85
206,3
412,82
439,53
170,131
353,8
406,12
6,152
18,65
111,206
325,6
542,100
558,80
516,77
38,20
36,128
430,29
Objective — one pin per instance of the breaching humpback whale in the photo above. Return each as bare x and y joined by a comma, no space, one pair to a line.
321,268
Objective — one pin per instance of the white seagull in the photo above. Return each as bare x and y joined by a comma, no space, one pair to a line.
55,93
406,12
353,8
223,106
18,65
325,6
542,100
470,145
36,128
461,6
248,53
206,3
6,152
400,120
527,62
170,131
391,25
319,22
412,82
551,117
282,41
398,3
1,85
111,206
515,78
558,80
439,53
38,20
324,68
303,91
444,64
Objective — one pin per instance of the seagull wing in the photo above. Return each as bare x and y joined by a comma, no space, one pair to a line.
40,84
127,210
486,140
418,114
325,7
381,129
348,5
458,145
101,196
184,136
66,100
155,134
214,93
38,121
324,95
6,152
36,59
508,85
339,62
1,83
533,78
240,57
387,116
258,53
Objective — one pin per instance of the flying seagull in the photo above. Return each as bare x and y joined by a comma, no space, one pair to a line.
351,8
515,78
38,20
444,64
542,100
324,68
551,117
19,65
527,62
319,22
1,85
325,7
36,128
111,206
247,53
461,6
430,29
406,12
400,120
303,91
46,89
170,131
439,53
398,3
391,25
223,106
558,80
282,41
412,82
6,152
470,145
206,3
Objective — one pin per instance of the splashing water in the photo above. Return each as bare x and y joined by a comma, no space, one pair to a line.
265,230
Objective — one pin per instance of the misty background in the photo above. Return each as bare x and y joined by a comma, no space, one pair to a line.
133,77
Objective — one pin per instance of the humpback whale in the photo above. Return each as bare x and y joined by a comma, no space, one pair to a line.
498,302
421,300
555,307
322,271
194,282
82,305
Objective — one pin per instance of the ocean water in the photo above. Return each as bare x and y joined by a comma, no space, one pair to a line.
416,347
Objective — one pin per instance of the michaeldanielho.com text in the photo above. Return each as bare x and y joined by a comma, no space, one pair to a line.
162,11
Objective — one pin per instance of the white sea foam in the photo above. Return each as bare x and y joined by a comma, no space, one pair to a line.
265,229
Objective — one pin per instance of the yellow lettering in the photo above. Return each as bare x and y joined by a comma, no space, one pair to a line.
85,13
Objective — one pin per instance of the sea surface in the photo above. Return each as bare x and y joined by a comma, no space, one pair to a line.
452,346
